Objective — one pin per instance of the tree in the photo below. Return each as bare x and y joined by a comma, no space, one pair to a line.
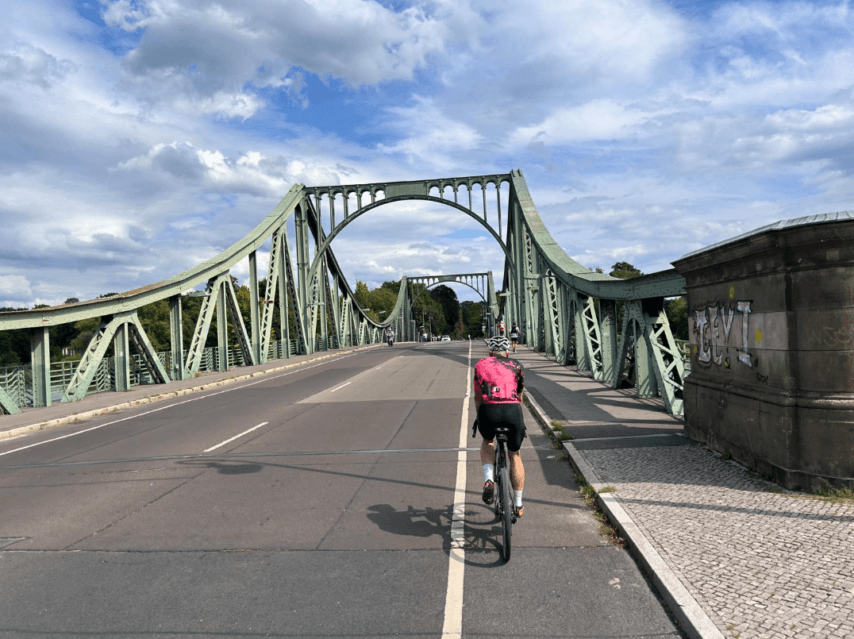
423,306
677,314
14,345
449,302
472,318
624,270
155,321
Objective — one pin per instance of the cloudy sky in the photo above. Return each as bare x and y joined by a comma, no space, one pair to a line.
141,137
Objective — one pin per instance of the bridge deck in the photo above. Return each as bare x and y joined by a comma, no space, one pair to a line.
321,508
332,517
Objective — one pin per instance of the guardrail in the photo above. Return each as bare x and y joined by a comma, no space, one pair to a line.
17,381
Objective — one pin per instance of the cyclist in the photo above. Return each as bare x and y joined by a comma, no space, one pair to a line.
498,387
514,336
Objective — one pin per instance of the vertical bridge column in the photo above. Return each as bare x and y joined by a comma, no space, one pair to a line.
121,357
176,325
40,358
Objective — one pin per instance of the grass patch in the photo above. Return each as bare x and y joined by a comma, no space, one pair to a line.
588,493
838,495
559,430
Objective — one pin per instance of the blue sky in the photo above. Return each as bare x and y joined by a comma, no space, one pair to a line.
141,137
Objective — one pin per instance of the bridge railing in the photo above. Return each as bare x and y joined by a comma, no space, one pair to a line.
17,381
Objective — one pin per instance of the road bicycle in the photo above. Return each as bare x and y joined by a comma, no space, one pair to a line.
504,510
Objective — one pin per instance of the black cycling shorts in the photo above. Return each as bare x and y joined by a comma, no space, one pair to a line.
509,415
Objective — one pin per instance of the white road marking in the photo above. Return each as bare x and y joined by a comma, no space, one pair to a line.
453,626
228,441
186,401
340,387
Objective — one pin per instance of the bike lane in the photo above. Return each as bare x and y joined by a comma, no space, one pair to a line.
564,578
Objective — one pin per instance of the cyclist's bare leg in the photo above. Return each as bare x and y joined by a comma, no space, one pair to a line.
517,471
487,457
487,452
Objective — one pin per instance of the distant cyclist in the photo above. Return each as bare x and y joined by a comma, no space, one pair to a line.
514,336
498,386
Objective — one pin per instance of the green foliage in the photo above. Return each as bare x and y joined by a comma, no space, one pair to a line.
14,345
677,314
423,308
378,303
155,321
624,270
448,301
85,329
472,319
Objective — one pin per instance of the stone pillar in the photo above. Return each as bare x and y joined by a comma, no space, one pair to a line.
771,320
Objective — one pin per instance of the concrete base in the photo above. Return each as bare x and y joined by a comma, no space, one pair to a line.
800,442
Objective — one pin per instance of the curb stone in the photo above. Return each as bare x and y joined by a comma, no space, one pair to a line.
76,417
690,616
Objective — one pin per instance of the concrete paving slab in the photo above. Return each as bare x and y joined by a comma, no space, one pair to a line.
733,555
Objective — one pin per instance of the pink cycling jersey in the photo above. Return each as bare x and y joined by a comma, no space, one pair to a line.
498,380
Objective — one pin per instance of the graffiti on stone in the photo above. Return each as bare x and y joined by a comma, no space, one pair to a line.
713,325
832,337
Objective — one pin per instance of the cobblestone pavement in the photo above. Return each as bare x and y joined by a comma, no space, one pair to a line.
760,561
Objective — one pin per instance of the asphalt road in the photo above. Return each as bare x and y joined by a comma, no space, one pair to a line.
312,503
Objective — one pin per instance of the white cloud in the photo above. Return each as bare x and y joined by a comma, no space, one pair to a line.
595,120
643,133
15,285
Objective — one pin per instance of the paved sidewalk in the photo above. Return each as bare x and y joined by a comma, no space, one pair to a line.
33,419
734,556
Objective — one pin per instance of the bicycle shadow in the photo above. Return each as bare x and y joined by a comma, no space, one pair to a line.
482,530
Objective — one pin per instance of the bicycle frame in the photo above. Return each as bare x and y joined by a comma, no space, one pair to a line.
503,501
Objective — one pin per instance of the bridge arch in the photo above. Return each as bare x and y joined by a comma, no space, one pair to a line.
376,203
429,286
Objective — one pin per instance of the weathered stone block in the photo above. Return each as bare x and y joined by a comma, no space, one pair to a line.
771,320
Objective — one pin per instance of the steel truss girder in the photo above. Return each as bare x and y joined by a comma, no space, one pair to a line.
658,363
97,348
219,294
203,323
551,301
592,336
296,304
237,324
7,404
269,301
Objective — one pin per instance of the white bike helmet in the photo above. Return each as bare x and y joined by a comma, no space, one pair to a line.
498,344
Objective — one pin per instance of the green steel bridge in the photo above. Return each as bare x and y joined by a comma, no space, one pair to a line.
562,308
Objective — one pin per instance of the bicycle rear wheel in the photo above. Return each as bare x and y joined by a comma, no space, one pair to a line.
506,511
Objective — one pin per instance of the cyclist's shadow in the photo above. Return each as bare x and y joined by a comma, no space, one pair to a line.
413,522
481,528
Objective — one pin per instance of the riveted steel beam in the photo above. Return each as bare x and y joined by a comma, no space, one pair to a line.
185,281
258,344
608,310
592,336
40,358
667,359
92,356
142,344
121,357
176,326
203,323
7,404
268,304
230,301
